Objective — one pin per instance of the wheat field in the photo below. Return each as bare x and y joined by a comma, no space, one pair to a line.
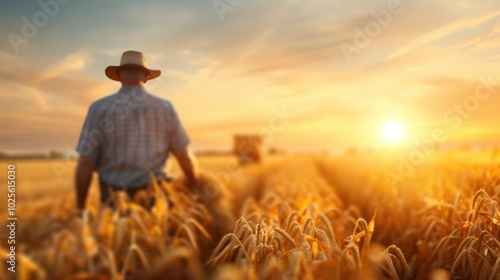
292,217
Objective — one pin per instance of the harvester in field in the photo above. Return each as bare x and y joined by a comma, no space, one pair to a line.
248,148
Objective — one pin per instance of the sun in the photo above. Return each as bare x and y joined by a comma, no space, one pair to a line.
393,132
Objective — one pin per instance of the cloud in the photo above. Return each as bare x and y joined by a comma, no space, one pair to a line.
229,75
74,62
481,42
59,80
193,79
445,93
16,99
30,127
442,32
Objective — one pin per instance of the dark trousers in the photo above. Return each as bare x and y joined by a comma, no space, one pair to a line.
106,198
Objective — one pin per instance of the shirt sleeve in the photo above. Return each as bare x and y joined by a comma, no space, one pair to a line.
178,137
89,143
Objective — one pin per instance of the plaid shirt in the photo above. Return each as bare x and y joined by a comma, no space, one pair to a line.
131,133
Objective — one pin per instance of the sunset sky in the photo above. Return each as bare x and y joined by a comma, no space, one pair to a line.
336,71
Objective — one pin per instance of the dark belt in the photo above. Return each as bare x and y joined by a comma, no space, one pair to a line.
131,191
142,187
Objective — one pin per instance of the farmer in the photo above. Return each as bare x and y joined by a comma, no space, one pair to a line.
128,134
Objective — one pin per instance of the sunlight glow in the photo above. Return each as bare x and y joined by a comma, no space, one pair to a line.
393,132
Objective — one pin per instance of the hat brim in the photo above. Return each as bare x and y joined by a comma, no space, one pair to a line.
112,72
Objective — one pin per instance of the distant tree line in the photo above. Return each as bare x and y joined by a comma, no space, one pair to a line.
52,154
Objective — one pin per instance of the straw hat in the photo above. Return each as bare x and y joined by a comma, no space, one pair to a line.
131,59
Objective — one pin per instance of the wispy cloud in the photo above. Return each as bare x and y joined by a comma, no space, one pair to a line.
230,75
442,32
74,62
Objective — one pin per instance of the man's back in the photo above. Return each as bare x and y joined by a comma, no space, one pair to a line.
131,133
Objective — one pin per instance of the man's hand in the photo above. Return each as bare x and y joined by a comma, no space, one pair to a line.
189,166
78,213
83,177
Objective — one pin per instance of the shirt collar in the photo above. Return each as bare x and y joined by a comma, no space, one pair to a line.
132,93
132,89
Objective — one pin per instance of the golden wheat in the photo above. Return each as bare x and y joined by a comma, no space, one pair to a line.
304,218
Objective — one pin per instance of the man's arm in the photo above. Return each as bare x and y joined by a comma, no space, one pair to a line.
83,177
189,166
